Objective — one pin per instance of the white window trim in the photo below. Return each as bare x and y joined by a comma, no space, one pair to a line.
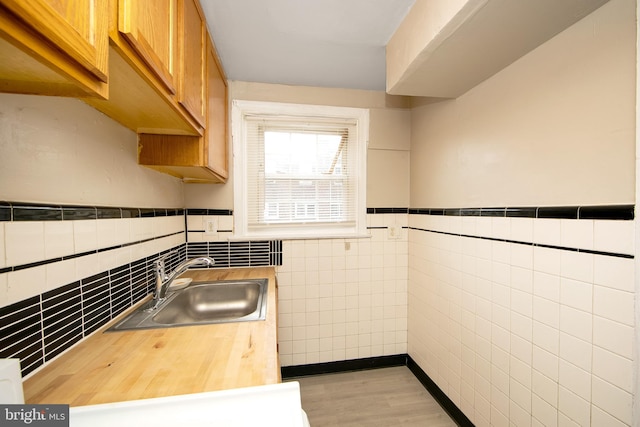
241,108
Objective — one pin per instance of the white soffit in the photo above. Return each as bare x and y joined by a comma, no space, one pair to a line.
481,39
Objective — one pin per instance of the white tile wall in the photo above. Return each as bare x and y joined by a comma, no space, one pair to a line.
24,242
58,239
27,242
614,236
512,333
544,336
85,235
196,224
342,299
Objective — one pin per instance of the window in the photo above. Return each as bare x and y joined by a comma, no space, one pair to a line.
299,170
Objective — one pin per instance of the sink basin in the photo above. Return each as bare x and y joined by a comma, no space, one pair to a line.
199,303
206,302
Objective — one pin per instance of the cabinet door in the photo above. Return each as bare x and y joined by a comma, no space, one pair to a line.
150,26
192,33
77,27
216,132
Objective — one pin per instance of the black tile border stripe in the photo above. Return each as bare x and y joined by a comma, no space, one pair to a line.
447,404
18,211
22,211
387,210
292,372
289,372
217,212
540,245
613,212
602,212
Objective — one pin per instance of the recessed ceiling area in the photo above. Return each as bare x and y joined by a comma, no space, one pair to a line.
327,43
434,49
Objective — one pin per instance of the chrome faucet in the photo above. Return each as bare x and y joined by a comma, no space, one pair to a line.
164,280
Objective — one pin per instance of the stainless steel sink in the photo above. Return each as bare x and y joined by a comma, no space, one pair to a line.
200,303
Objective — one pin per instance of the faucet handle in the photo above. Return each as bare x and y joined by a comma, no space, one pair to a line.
159,263
160,260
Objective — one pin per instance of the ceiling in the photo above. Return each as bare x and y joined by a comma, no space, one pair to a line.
329,43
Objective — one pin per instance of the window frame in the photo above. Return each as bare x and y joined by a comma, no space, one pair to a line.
241,108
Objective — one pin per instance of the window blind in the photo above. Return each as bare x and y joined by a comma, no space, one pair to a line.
300,171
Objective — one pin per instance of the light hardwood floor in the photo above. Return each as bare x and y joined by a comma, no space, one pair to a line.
371,398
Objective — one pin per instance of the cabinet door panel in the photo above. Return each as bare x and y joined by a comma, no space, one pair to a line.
77,27
150,26
216,132
192,32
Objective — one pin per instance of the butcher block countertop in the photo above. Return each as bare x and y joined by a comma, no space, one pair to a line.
140,364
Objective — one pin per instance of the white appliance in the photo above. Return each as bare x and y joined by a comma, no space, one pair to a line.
276,405
11,382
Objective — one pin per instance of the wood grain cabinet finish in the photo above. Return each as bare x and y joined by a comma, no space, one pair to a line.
151,27
192,38
195,159
144,63
54,47
148,64
216,133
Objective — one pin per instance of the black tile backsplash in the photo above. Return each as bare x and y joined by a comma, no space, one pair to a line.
95,297
252,253
217,250
61,322
39,328
276,252
21,333
120,290
141,278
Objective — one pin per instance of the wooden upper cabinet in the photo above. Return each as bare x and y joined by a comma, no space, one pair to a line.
151,27
192,36
141,62
195,159
216,131
50,45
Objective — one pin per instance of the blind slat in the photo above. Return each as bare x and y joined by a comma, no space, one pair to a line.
300,171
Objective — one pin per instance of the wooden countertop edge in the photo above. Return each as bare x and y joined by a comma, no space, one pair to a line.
140,364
